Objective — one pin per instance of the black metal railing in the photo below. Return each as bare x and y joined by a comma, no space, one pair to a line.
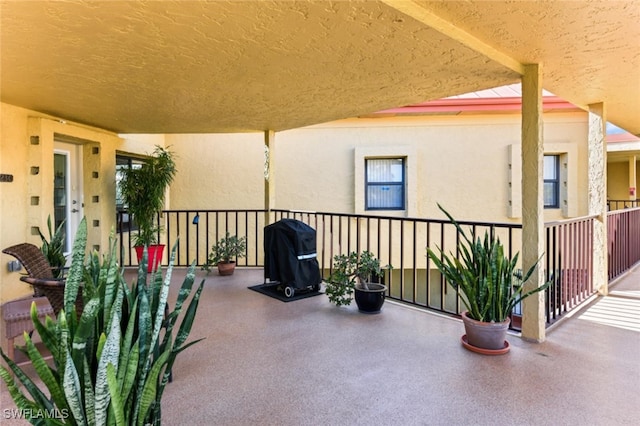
402,242
613,205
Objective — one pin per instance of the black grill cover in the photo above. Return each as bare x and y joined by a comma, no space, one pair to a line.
290,254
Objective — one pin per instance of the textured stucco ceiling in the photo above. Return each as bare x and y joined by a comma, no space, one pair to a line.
217,66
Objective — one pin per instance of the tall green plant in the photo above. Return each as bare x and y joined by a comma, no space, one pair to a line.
350,270
111,363
489,282
143,190
53,248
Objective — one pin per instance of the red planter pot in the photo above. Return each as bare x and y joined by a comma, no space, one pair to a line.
155,256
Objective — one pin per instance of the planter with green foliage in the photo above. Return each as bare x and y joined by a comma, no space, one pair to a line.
53,248
489,283
143,191
111,365
224,253
355,273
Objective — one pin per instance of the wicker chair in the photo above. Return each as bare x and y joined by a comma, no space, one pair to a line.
40,275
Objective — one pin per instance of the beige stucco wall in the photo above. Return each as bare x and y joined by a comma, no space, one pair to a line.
461,162
618,181
28,200
218,171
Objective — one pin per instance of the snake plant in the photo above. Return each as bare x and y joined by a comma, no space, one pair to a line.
53,248
111,363
489,282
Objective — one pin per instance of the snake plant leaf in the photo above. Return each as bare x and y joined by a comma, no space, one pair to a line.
85,330
44,373
110,355
21,377
162,302
73,391
89,394
76,271
150,387
46,331
116,398
111,286
127,380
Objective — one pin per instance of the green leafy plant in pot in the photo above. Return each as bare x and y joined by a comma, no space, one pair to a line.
53,248
490,285
110,365
353,274
224,253
143,190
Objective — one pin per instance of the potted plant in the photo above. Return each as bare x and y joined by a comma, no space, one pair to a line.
355,273
490,285
143,191
53,248
111,364
224,253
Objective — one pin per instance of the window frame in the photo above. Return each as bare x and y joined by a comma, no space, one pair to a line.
555,182
402,184
124,221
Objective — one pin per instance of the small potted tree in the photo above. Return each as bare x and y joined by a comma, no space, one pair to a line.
143,190
354,274
490,285
224,253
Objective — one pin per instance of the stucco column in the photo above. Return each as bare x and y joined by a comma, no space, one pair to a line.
269,173
533,319
597,169
632,177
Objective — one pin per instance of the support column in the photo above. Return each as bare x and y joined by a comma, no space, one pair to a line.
269,174
597,170
633,187
533,319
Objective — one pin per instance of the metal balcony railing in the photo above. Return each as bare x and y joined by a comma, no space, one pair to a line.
402,242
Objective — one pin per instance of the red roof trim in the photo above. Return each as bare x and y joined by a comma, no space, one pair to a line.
476,105
622,137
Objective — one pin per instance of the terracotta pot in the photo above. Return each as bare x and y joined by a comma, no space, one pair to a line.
485,335
155,256
226,268
370,301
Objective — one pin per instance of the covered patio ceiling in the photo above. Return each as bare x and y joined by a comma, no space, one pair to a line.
227,66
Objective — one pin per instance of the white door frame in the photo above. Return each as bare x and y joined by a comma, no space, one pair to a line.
74,189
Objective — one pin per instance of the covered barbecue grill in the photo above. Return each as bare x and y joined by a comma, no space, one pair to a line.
290,259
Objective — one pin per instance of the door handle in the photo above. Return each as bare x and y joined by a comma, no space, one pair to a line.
74,210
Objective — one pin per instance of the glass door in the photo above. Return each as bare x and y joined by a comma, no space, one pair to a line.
67,190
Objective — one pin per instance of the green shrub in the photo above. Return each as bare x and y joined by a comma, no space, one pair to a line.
111,364
350,270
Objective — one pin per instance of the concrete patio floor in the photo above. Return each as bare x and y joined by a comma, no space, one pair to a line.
308,362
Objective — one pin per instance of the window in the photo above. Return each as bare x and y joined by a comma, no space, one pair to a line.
123,162
385,184
551,181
